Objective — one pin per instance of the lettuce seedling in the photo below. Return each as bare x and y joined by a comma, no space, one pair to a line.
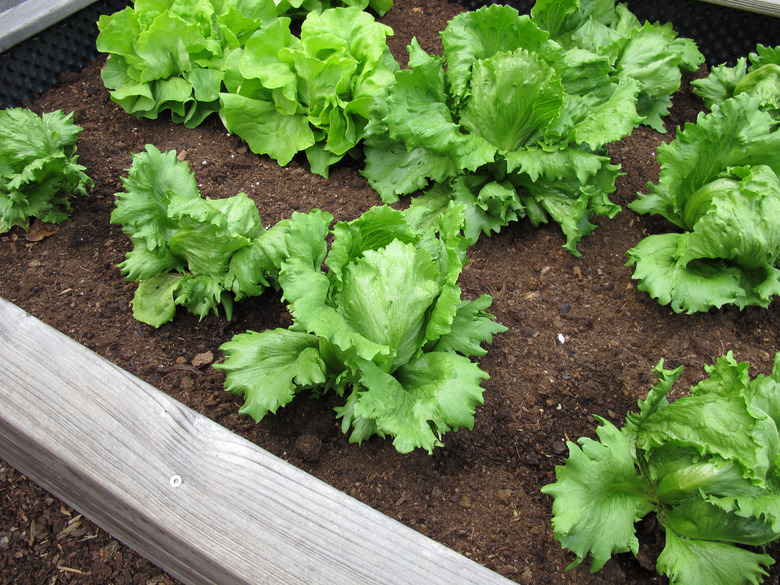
384,326
720,186
707,464
312,94
198,253
39,170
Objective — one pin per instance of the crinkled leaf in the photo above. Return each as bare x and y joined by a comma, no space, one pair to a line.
39,172
735,133
699,285
699,562
142,209
598,497
471,326
514,96
269,368
153,302
476,35
386,297
422,399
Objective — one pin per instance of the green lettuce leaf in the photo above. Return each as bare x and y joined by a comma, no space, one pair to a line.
719,182
703,562
199,253
268,368
598,497
311,94
650,55
761,79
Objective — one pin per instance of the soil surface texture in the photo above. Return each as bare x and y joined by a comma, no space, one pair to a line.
581,341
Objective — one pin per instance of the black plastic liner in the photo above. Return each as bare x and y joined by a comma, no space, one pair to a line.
36,64
723,35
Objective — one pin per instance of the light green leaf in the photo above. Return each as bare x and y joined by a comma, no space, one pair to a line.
269,368
471,326
422,400
699,562
598,497
514,96
697,286
153,302
476,35
265,130
386,297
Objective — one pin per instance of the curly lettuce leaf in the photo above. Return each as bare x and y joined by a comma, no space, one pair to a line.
598,497
39,170
651,55
761,79
704,562
736,133
269,368
421,400
719,182
172,55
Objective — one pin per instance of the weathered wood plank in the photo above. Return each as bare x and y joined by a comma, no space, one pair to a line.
28,17
771,7
108,444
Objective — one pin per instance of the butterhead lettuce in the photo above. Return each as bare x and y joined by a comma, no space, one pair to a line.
171,55
287,94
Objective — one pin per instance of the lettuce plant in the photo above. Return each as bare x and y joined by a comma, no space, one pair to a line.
720,186
198,253
707,464
650,53
286,94
172,54
514,119
39,171
384,326
507,122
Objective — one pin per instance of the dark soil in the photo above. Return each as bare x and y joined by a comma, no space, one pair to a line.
479,494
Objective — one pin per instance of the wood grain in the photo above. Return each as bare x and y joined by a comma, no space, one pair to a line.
771,7
24,19
109,444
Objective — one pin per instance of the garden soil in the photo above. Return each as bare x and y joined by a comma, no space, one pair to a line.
581,341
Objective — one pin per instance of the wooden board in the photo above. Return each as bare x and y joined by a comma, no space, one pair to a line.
771,7
28,17
115,448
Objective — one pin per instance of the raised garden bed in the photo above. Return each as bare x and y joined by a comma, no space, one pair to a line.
479,494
